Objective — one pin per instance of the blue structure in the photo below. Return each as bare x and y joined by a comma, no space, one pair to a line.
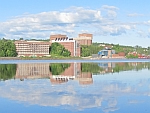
103,53
106,52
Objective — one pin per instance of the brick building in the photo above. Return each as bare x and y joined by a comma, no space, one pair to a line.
84,39
32,48
73,45
40,48
69,44
57,36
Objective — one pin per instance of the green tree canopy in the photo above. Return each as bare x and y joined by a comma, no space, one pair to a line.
89,50
57,49
7,48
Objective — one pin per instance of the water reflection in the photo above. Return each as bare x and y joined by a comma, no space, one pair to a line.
79,87
62,72
7,71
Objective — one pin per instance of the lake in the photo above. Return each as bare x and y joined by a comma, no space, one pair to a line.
75,86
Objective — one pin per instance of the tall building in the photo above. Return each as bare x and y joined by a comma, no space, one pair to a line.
32,48
84,39
57,36
69,44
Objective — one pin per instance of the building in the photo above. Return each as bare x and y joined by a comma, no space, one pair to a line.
84,39
57,36
106,53
40,48
32,48
69,44
73,45
45,70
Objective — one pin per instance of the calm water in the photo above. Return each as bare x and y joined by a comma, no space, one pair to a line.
117,86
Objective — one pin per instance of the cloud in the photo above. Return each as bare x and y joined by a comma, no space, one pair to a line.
109,11
114,29
40,25
135,15
72,97
135,101
70,21
107,7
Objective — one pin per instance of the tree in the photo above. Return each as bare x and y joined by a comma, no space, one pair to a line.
8,48
21,39
57,49
89,50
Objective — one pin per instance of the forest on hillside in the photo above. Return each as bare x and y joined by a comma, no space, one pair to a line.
96,47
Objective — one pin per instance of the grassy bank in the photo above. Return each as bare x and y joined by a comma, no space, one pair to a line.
40,58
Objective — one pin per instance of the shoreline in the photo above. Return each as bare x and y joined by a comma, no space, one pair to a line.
91,59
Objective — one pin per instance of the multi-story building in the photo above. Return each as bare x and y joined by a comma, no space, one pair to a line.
40,48
84,39
32,48
71,45
58,36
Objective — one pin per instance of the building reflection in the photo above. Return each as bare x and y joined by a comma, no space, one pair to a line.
107,93
45,70
32,71
81,72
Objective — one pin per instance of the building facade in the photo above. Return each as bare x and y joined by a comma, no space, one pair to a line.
107,53
32,48
40,48
71,45
57,36
84,39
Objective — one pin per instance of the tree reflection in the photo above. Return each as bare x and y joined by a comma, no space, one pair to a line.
113,67
90,67
73,70
131,66
58,68
7,71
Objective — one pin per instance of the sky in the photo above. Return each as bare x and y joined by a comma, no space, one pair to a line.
110,21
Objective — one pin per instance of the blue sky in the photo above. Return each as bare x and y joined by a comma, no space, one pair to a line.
110,21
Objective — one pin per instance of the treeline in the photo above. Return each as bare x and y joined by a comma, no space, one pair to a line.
96,47
89,50
7,48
